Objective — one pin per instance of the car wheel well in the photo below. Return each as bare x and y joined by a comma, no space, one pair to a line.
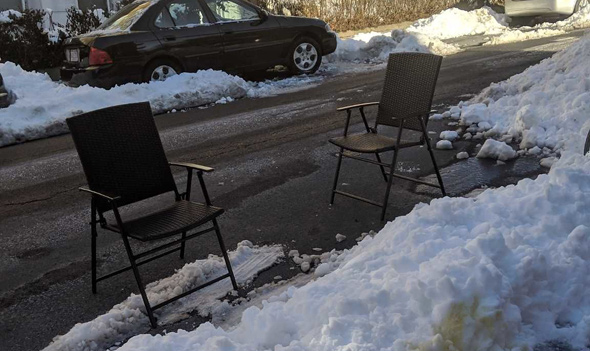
309,35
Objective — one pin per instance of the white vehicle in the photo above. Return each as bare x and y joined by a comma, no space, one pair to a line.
516,8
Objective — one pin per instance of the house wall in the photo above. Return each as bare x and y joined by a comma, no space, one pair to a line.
11,5
88,4
59,8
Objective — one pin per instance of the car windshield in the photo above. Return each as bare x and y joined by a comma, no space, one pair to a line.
124,19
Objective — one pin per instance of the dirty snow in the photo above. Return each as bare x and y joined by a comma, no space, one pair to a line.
128,318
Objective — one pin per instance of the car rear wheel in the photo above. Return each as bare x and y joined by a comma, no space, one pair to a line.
305,56
160,70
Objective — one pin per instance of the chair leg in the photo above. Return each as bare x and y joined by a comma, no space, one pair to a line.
146,302
382,168
93,235
389,182
182,246
336,176
436,170
225,256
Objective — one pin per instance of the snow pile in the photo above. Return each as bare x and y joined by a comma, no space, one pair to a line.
506,270
444,145
128,318
450,135
454,23
5,15
43,105
547,106
375,47
496,150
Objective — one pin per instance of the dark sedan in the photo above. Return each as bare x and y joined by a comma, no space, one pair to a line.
152,40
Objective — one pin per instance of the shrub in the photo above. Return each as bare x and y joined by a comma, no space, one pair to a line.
80,22
355,14
24,41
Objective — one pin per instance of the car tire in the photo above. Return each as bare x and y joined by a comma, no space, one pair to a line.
161,69
305,56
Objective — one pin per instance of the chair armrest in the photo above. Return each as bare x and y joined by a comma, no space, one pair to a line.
192,166
200,169
106,197
346,108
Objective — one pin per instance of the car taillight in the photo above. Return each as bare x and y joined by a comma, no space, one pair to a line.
98,57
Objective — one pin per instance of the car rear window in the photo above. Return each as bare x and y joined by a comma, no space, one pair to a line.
124,19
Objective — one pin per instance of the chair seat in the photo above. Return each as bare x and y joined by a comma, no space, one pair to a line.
370,143
177,218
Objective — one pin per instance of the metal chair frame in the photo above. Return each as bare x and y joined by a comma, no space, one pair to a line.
417,121
101,203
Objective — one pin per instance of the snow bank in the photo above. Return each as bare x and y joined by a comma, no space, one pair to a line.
506,270
454,23
43,105
547,106
129,318
375,47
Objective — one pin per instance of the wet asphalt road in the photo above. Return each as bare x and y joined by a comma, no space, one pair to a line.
274,169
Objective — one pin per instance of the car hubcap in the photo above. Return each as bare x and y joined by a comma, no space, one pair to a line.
163,72
305,56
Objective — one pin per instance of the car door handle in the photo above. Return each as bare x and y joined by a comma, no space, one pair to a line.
170,38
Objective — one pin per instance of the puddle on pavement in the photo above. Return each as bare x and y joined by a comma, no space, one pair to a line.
464,176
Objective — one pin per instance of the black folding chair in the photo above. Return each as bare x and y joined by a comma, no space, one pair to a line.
405,103
124,162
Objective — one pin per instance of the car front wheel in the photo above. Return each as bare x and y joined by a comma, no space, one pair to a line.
160,70
305,56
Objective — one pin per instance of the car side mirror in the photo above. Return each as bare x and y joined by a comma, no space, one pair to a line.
263,16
